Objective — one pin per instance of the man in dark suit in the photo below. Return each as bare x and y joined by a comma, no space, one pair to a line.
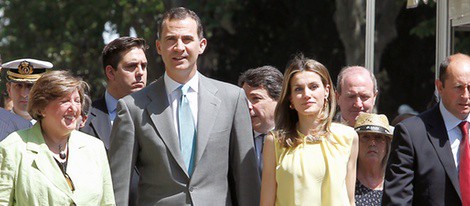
190,136
427,152
262,87
125,67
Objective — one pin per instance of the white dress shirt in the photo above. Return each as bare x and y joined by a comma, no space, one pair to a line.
173,95
453,131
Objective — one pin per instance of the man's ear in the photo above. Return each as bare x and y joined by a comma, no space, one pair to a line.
202,45
8,84
159,47
110,72
84,118
439,85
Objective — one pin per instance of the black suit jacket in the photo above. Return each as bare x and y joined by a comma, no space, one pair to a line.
98,123
10,122
421,168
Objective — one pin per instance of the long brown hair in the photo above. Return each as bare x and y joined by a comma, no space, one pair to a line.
287,118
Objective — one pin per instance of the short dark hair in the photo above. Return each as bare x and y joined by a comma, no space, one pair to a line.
112,53
180,13
443,69
267,76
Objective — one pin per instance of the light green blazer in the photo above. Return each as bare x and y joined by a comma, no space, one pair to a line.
29,175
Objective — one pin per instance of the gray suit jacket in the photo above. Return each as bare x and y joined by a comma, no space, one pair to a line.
98,123
143,134
99,126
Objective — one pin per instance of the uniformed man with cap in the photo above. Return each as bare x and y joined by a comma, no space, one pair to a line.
21,76
10,122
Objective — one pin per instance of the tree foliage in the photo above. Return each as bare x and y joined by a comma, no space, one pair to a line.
63,32
241,34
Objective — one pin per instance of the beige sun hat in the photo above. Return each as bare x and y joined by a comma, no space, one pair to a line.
373,123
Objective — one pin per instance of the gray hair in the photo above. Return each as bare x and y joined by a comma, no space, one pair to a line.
347,69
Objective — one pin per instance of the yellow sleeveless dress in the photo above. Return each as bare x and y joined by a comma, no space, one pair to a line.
314,173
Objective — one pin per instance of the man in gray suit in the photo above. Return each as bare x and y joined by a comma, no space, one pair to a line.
192,146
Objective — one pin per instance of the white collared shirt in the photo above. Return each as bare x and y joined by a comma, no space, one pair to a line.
111,105
453,131
173,95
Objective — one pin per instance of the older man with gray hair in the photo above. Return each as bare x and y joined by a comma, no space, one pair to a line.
356,92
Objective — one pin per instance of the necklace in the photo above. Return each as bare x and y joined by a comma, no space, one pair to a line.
62,153
313,138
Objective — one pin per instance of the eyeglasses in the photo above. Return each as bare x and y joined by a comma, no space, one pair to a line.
369,137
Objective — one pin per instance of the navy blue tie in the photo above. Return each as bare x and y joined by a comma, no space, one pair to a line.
187,130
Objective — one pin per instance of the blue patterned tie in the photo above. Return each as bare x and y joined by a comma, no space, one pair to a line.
187,130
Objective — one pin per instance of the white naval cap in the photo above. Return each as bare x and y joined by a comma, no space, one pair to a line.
26,70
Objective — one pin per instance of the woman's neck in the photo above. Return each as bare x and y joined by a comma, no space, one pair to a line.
55,142
307,124
371,176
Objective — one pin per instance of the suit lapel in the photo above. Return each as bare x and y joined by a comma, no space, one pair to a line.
100,121
208,108
161,114
437,134
45,162
101,124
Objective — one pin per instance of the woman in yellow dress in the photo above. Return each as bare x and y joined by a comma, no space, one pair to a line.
308,160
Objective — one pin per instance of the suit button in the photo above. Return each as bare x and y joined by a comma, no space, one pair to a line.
191,189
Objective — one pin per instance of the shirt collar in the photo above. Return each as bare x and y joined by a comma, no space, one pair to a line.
171,85
256,134
450,120
111,102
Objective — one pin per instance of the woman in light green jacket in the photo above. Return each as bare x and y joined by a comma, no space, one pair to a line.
52,163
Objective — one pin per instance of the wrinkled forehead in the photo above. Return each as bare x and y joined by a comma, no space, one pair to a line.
358,84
